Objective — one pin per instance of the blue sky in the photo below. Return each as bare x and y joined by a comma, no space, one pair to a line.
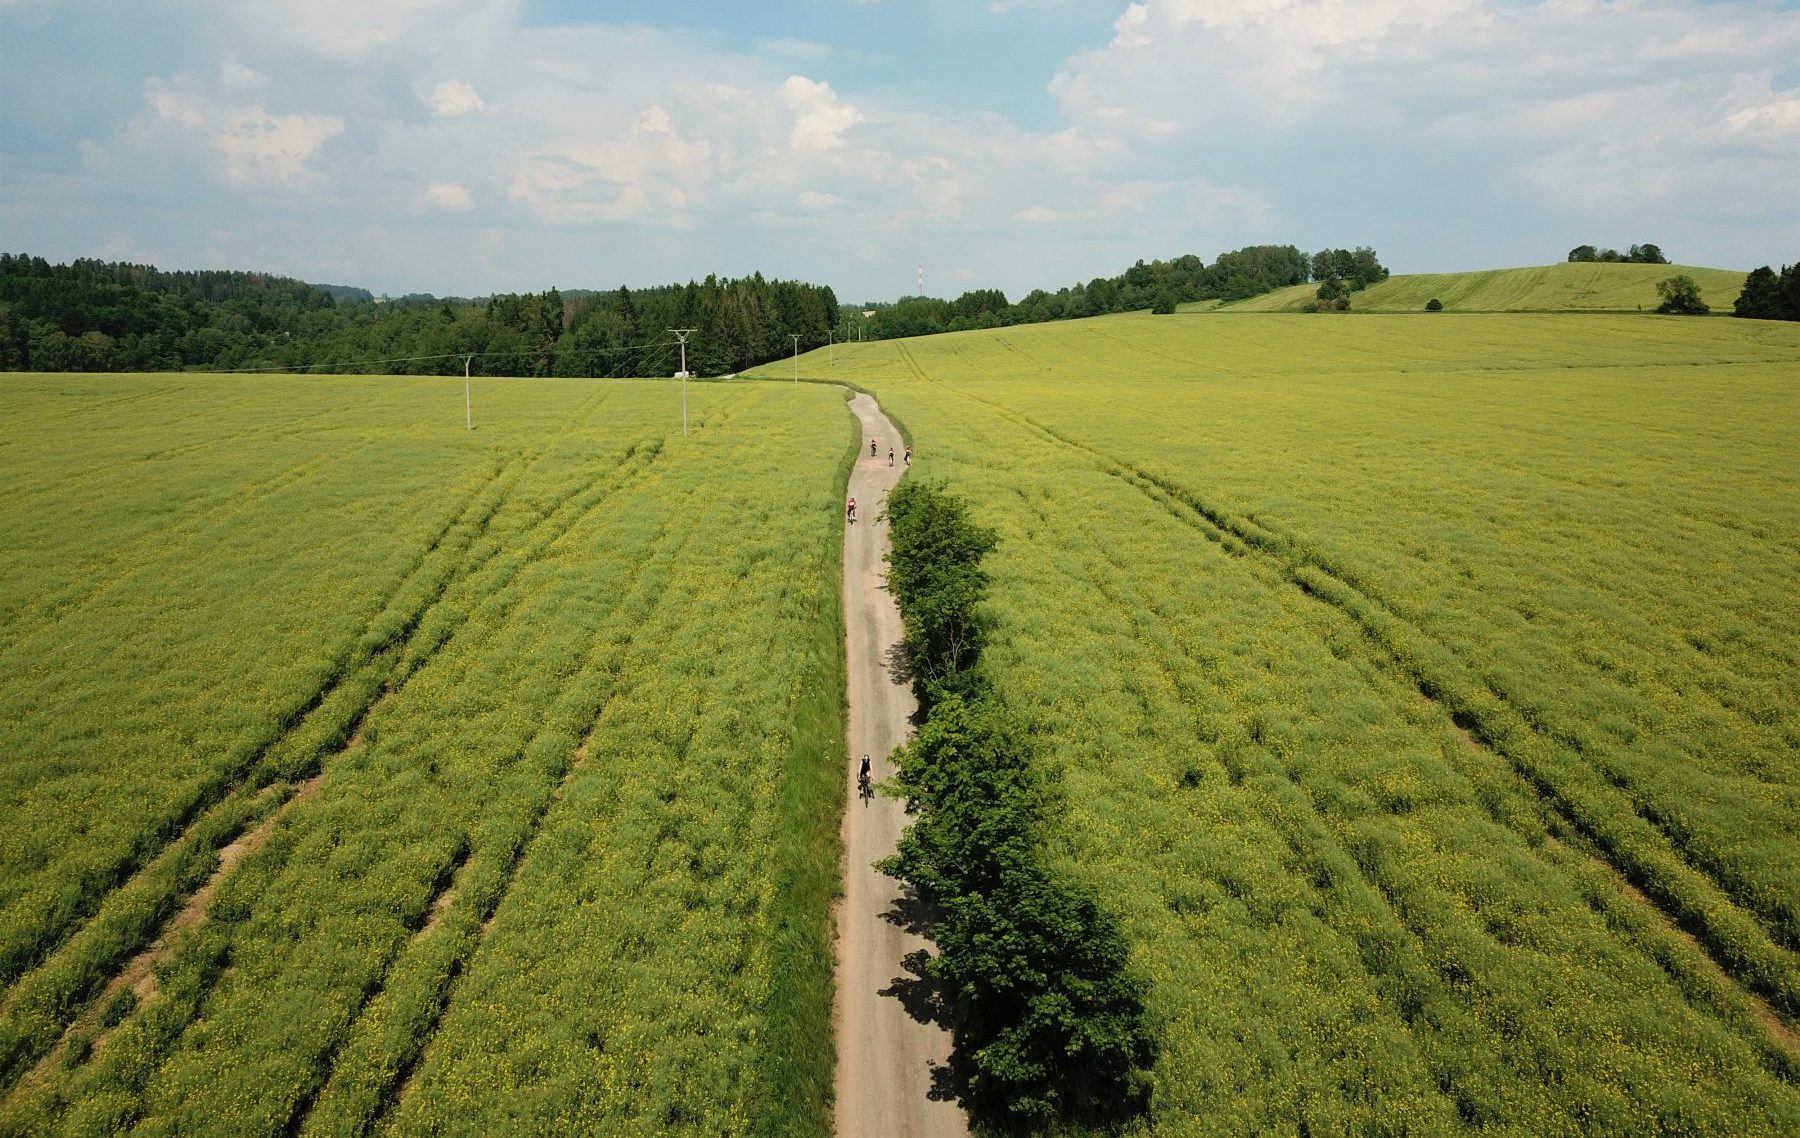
467,146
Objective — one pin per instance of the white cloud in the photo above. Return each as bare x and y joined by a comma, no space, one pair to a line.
254,149
453,97
820,119
1099,205
449,197
122,248
1577,99
653,173
1775,121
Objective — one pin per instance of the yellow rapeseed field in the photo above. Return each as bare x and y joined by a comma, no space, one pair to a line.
554,708
1424,692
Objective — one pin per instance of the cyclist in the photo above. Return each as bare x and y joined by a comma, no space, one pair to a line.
850,510
890,456
871,448
909,455
862,777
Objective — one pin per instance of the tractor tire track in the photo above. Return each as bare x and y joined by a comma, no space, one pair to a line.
402,657
373,643
605,657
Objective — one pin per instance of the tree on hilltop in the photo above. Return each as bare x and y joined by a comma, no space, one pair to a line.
1358,268
1645,254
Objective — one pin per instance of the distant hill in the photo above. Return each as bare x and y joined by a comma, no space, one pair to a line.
1563,287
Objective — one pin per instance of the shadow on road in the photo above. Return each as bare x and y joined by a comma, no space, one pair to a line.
919,994
911,914
899,665
945,1086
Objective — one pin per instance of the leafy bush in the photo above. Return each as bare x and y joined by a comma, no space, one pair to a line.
935,572
1434,305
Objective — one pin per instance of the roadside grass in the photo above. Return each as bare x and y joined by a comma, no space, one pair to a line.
1423,696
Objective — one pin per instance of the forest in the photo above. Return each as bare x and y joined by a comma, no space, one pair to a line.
98,316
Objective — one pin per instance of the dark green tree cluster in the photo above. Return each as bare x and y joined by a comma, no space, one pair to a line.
1341,272
1155,285
1047,1014
99,316
103,316
1769,295
1637,255
1333,295
1681,296
1358,268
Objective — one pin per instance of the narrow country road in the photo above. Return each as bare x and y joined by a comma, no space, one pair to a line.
892,1049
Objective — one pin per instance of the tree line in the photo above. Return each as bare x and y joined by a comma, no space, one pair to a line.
1769,295
1156,285
102,316
1047,1014
1636,255
92,315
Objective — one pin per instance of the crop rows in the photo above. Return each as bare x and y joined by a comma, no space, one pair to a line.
1431,788
561,799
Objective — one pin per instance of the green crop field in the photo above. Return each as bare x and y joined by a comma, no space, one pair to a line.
1573,287
1425,695
1422,695
528,738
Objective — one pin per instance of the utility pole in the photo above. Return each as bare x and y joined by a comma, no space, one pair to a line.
831,338
468,404
796,341
681,335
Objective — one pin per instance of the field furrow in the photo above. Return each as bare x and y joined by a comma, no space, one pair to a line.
604,562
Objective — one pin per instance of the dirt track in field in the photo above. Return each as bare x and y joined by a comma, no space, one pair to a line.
893,1046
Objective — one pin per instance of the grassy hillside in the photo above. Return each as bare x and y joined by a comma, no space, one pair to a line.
1422,692
1544,288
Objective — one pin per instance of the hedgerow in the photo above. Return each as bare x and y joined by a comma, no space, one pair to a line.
1048,1014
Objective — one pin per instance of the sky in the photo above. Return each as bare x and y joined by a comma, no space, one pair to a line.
463,147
